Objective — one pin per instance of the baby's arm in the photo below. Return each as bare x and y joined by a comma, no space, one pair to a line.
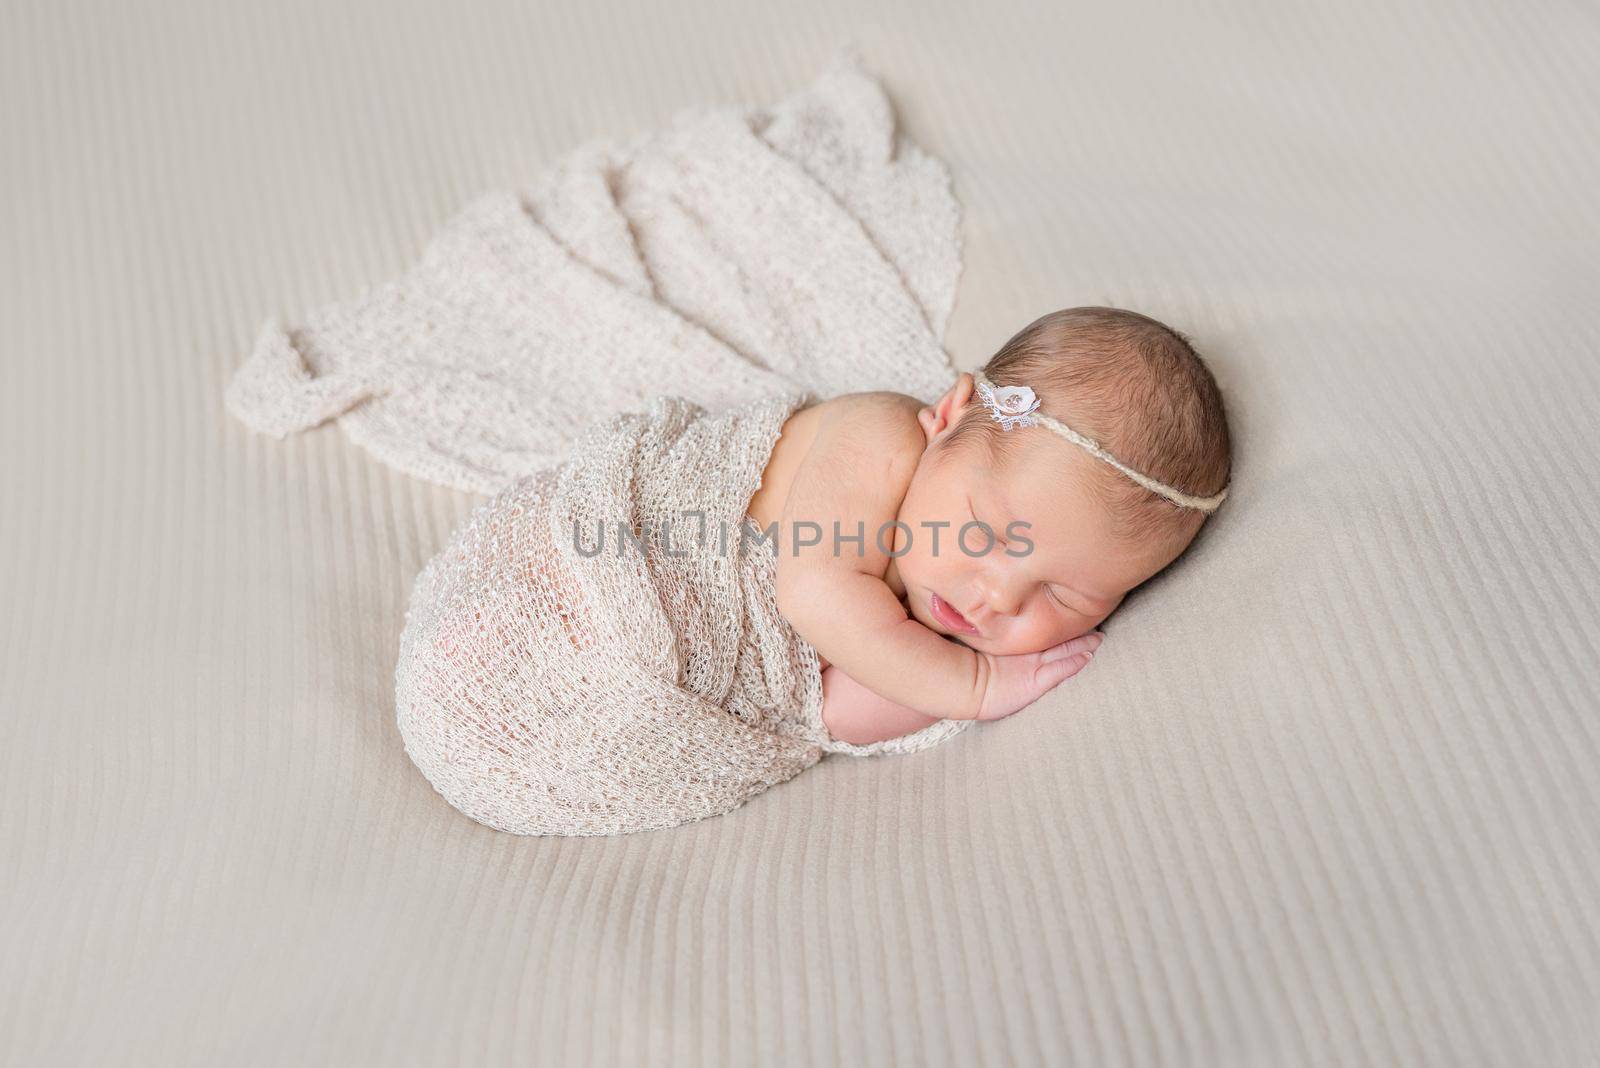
855,475
852,713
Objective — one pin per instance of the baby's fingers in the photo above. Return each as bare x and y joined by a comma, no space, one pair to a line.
1084,643
1053,674
1061,662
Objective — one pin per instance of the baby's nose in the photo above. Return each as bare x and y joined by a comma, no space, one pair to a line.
998,596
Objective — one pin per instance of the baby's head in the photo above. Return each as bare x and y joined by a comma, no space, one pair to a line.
1126,381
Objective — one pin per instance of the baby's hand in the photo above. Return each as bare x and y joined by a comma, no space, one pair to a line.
1015,682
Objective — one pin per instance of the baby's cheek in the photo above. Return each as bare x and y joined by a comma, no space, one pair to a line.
1053,628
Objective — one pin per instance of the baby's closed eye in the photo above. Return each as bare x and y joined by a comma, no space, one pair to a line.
994,530
1065,601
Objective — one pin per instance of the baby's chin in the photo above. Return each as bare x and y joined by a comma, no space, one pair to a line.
976,643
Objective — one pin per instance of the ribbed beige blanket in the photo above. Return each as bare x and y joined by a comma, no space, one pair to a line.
614,349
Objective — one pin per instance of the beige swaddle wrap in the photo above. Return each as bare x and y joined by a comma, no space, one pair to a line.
621,341
543,690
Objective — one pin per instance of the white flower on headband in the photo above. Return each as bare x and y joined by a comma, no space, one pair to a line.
1010,405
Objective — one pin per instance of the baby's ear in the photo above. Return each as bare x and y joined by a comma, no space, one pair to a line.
938,416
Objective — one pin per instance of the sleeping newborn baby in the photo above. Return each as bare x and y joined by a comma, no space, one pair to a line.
899,571
952,561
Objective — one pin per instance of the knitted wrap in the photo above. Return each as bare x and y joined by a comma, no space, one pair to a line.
543,691
620,343
729,255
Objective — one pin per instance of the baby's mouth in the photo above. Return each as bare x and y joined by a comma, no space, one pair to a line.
947,616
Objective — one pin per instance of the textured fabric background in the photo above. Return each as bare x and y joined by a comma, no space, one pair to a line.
1327,794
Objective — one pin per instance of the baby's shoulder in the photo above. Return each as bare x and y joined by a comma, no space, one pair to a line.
879,421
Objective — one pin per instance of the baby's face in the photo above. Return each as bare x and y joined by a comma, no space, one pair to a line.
1016,597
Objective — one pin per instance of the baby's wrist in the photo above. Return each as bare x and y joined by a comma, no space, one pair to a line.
969,706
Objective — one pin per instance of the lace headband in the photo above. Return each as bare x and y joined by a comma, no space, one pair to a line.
1014,406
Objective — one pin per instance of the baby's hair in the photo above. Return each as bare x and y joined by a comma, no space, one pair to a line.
1133,384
